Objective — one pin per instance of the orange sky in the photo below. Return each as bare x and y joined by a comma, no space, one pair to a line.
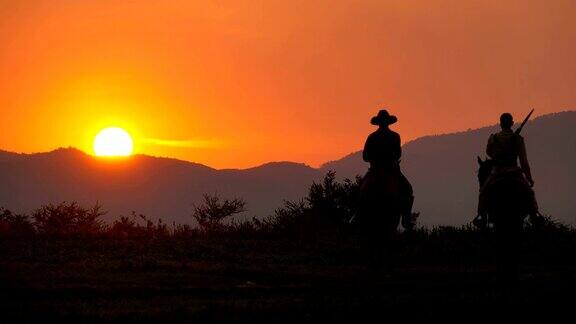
239,83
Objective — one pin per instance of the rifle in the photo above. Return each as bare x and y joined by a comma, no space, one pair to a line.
517,133
519,129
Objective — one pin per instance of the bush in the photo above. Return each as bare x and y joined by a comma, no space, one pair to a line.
329,205
14,225
213,211
334,201
292,218
128,227
66,219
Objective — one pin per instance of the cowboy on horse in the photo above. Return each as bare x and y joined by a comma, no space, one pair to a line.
385,188
385,194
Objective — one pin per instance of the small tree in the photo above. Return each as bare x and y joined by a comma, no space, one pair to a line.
14,225
212,211
68,219
334,201
329,204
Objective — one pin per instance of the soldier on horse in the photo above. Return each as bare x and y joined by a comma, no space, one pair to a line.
505,149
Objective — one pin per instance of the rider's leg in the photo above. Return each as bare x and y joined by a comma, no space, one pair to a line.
533,211
481,219
408,221
532,203
407,201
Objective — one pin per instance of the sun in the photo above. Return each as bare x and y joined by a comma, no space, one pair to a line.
113,141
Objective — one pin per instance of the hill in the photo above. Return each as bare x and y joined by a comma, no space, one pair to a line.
157,187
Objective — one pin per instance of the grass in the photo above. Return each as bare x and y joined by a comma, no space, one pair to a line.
305,263
206,278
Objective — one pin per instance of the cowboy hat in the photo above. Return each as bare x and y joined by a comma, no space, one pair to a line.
383,118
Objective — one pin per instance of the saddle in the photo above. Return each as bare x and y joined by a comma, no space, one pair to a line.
385,191
506,175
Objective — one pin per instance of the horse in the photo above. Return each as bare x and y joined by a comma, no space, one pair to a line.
507,205
507,199
383,199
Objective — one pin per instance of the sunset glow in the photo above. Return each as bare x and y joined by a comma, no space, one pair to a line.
113,141
286,160
259,81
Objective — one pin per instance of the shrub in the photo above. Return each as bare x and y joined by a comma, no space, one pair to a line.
214,210
128,227
14,225
67,219
334,201
292,218
329,205
124,227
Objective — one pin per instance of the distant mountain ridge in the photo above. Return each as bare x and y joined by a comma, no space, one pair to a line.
442,169
157,187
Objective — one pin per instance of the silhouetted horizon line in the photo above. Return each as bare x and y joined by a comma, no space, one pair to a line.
277,162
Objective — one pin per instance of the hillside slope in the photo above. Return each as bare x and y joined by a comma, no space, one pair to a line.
158,187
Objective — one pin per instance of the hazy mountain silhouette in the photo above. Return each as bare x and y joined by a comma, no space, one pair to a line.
157,187
441,168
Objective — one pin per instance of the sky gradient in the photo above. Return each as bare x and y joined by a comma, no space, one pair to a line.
240,83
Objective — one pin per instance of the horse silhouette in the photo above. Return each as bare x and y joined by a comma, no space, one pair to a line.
508,201
508,205
379,214
385,193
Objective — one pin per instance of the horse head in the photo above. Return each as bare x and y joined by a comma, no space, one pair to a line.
484,170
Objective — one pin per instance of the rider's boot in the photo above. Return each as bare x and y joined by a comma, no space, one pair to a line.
536,219
480,221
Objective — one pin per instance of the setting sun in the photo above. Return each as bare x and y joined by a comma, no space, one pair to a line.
113,141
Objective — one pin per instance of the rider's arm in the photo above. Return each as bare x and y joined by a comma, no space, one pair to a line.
366,152
490,147
397,148
524,160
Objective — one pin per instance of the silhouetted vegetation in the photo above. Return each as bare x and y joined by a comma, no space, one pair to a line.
329,206
14,225
68,219
213,211
67,253
327,209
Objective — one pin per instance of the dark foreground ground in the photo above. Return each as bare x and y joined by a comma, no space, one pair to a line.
437,275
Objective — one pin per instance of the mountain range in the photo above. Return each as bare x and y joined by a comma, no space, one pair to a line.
442,169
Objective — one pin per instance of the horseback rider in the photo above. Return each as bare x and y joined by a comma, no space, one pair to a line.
505,148
383,151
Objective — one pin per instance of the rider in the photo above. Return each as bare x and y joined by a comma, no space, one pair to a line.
506,148
383,151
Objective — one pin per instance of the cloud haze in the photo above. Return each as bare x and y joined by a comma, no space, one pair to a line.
195,143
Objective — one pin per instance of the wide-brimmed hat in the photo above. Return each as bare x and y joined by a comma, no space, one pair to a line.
383,118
